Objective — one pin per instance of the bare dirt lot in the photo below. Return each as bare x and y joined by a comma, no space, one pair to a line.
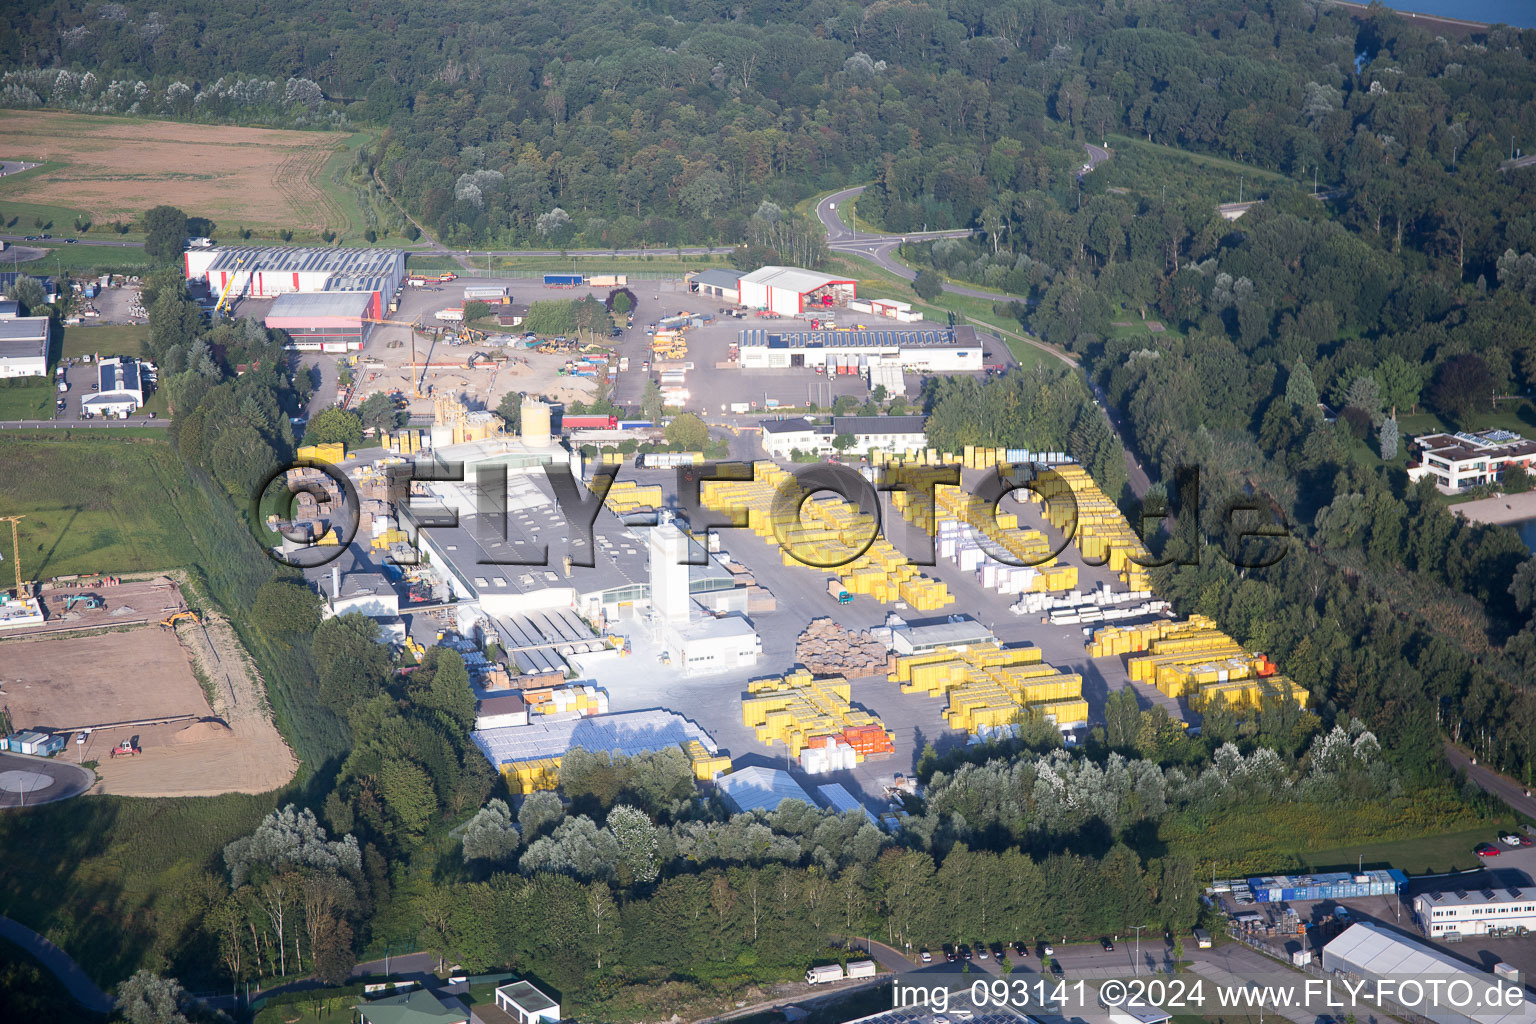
118,168
146,673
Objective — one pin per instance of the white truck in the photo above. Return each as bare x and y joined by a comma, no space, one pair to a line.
861,969
452,316
828,972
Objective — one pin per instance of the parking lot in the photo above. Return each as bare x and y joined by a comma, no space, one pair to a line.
82,378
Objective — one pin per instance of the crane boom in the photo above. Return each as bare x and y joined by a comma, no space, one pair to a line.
15,546
227,286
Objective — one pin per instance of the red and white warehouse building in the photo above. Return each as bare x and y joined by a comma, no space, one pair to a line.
326,299
790,290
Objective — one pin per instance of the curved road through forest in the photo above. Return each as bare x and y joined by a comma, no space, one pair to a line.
59,964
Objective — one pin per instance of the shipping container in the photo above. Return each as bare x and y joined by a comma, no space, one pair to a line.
589,422
562,280
1339,885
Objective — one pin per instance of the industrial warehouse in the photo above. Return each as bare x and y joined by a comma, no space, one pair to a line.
952,350
326,299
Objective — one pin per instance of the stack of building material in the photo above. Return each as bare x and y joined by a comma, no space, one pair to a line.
1073,501
626,496
799,709
990,686
528,756
333,452
1195,659
707,764
566,700
825,533
828,649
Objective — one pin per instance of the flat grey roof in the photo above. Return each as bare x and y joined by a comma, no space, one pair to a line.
793,425
528,998
1480,897
326,303
793,279
533,521
719,278
121,374
878,424
9,308
24,336
936,633
756,788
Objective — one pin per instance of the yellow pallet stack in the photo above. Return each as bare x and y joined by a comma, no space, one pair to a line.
706,766
801,710
1114,640
826,530
1101,533
1195,659
537,773
626,496
333,452
989,686
389,537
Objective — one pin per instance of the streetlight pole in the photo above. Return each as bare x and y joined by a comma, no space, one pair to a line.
1137,964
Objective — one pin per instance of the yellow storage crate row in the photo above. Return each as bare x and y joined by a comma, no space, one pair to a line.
1101,531
383,541
706,766
333,452
799,708
1129,639
628,496
1195,659
989,685
524,777
406,442
826,531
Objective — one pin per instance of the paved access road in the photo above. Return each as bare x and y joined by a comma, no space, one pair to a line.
59,964
66,780
81,241
1511,792
84,424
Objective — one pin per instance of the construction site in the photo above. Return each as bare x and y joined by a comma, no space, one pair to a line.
118,673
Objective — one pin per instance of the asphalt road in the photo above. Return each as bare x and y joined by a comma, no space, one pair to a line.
68,779
59,964
83,424
82,241
1516,795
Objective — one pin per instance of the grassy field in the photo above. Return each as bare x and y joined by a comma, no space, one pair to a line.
34,402
1148,168
82,259
95,504
110,168
111,340
1418,856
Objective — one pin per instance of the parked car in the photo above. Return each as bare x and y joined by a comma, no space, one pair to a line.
982,951
1487,850
965,952
1021,949
1056,968
1109,947
949,953
1511,839
926,957
1048,950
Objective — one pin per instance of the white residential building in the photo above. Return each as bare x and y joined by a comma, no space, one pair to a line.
1458,461
886,433
1510,911
780,437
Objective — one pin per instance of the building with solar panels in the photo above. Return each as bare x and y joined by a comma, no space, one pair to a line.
119,389
327,299
839,352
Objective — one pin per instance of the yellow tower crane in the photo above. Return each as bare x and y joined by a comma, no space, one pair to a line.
15,547
416,377
227,286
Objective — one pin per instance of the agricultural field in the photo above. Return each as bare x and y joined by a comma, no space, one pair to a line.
108,168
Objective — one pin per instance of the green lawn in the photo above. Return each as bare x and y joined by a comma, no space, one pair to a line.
95,503
18,218
34,402
1518,415
83,259
323,1008
112,340
1423,855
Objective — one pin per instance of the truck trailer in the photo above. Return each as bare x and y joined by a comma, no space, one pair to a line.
861,969
562,280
